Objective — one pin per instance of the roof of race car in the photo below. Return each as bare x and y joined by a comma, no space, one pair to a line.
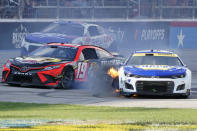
64,44
72,45
155,53
74,23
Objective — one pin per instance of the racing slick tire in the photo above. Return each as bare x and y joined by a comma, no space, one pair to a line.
68,77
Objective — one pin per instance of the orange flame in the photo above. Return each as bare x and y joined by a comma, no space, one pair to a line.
112,72
116,91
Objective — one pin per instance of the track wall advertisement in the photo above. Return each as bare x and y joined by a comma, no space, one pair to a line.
183,35
130,35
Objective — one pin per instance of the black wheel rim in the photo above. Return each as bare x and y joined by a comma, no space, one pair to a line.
67,79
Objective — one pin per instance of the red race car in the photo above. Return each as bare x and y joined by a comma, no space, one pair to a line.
59,65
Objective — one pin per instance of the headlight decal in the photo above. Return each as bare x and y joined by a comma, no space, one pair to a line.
127,74
8,64
178,76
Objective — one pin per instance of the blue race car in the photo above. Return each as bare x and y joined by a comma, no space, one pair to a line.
69,32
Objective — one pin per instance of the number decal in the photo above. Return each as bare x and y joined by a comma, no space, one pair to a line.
82,67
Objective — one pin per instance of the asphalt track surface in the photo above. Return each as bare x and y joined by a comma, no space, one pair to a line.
84,95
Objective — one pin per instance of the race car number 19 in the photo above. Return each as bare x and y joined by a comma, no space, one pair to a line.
82,68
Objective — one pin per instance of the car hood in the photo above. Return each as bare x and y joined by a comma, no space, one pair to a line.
35,61
155,70
49,37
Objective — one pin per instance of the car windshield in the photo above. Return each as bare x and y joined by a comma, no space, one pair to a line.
61,52
68,29
154,60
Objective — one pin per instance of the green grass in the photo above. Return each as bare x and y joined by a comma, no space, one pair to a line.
85,113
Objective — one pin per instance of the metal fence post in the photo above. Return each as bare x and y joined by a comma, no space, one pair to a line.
58,9
139,6
127,15
193,9
93,9
161,8
20,9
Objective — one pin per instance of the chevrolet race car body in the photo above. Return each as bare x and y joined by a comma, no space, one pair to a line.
68,32
154,72
57,65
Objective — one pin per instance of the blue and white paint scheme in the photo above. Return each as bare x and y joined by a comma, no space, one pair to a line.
158,71
171,78
68,32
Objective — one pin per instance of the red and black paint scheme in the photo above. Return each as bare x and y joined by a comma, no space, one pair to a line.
57,65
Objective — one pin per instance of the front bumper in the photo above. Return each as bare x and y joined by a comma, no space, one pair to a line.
30,78
154,86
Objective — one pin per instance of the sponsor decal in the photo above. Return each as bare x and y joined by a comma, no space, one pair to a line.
154,67
37,60
154,90
156,54
150,34
18,35
117,34
22,73
29,59
111,62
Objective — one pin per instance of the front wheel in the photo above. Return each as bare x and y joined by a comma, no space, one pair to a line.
67,80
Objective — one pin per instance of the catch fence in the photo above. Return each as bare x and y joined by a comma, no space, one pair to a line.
98,9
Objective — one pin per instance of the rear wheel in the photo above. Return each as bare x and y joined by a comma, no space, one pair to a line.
68,77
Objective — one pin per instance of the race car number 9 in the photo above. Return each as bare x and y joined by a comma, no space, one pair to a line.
82,67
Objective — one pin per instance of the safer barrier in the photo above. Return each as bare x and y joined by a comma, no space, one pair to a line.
132,35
